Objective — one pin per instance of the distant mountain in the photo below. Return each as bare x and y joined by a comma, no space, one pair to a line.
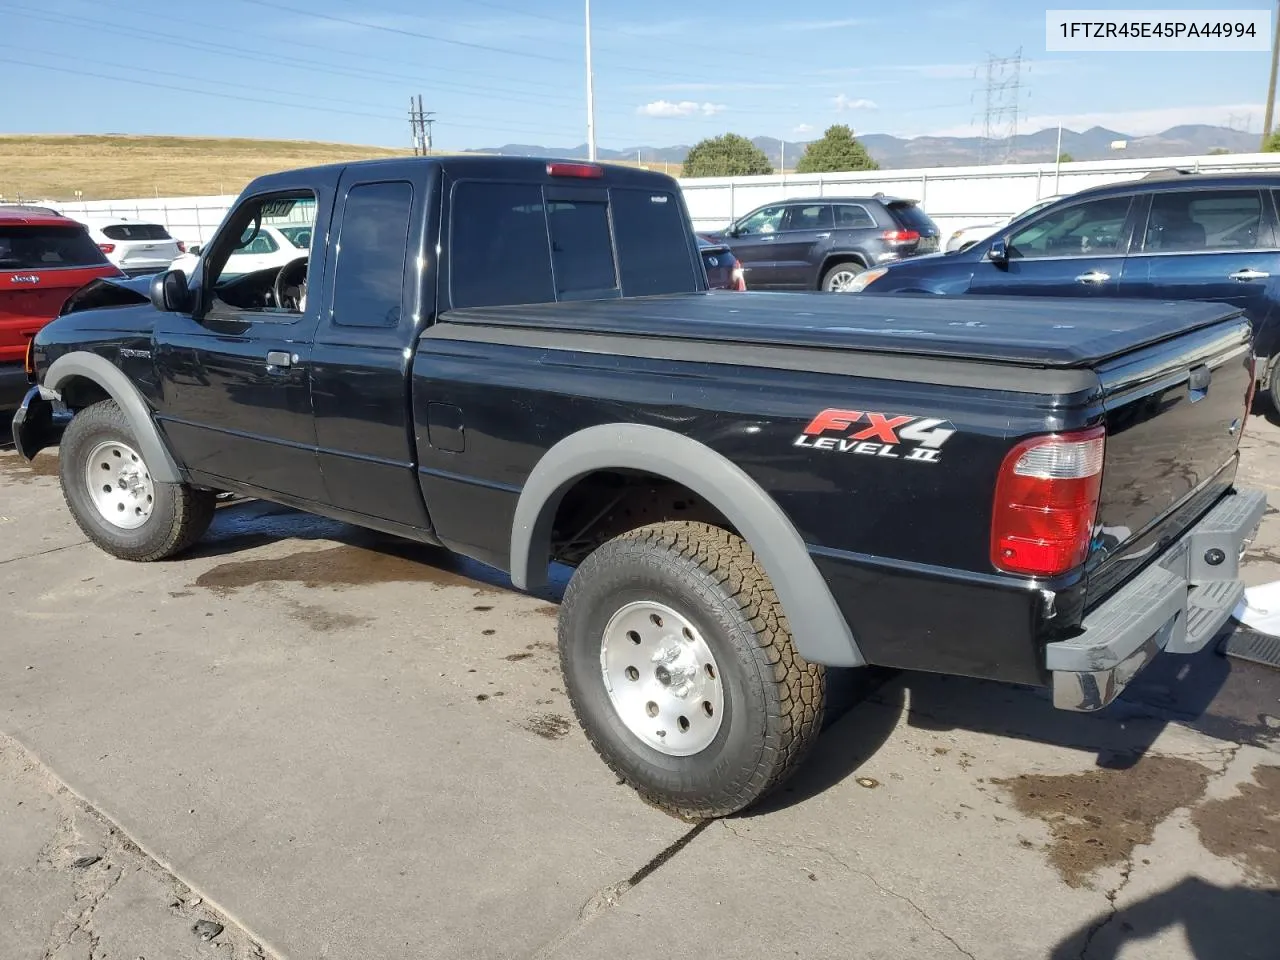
896,152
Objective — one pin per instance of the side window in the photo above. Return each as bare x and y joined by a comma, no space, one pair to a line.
1206,220
239,286
1081,230
498,247
813,217
765,220
853,216
582,249
373,243
653,246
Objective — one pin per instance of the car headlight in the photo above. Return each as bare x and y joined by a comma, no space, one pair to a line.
865,279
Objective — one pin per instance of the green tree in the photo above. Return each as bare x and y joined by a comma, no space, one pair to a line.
728,155
837,150
1271,144
1065,157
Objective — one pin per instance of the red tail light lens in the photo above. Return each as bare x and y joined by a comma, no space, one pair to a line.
586,171
182,247
900,236
107,247
1046,502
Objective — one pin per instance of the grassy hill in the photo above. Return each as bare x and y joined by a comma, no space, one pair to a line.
107,167
54,167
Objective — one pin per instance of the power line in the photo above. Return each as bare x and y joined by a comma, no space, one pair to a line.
1000,116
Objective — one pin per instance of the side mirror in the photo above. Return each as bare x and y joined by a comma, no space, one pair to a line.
998,252
169,292
195,249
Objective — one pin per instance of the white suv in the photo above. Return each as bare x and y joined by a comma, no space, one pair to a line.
137,247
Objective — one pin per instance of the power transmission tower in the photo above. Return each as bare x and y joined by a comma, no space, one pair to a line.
1003,92
420,122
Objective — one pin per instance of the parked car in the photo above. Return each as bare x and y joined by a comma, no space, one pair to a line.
724,272
137,247
44,257
272,246
823,243
1169,236
966,237
519,360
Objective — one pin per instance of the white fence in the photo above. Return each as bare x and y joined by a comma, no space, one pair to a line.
954,197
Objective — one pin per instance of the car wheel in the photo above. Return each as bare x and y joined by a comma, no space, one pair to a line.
839,277
110,492
682,672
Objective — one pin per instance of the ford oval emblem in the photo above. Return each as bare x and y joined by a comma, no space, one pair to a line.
24,278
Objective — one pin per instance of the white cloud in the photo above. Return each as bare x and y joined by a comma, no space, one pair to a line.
844,103
821,24
802,128
685,108
1138,123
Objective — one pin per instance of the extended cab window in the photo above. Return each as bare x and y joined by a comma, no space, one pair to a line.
653,254
1081,230
1205,220
373,244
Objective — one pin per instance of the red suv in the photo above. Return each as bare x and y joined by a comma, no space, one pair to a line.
44,258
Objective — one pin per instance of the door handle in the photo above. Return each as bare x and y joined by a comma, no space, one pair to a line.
1248,273
278,360
823,236
1093,276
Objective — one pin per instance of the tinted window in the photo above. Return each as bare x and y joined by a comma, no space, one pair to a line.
498,248
852,216
766,220
813,217
912,217
262,243
135,231
581,248
1081,230
1205,220
47,248
300,236
373,243
653,249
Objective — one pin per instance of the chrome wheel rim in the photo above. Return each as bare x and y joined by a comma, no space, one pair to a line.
662,678
841,281
119,485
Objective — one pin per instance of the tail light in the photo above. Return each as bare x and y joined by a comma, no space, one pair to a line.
585,171
1046,502
900,236
182,247
107,247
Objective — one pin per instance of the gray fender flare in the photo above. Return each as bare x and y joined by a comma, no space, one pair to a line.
820,631
160,462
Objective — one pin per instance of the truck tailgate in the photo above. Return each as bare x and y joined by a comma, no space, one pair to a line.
1174,415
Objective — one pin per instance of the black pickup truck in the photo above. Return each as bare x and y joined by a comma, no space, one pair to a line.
519,360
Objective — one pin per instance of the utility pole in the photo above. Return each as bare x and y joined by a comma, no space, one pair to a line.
1057,162
420,126
1271,85
591,106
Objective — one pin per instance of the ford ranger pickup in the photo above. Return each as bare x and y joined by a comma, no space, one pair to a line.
520,360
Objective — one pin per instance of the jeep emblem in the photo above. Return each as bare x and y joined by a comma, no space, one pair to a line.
24,278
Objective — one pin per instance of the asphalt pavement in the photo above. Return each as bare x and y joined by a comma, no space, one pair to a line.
343,745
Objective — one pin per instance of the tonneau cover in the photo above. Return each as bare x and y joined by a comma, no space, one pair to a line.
1034,331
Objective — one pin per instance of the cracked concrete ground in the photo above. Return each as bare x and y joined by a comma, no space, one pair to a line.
356,747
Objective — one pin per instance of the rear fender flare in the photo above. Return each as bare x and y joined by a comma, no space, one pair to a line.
112,379
820,631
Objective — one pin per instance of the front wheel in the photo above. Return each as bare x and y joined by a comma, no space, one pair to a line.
682,672
110,491
840,277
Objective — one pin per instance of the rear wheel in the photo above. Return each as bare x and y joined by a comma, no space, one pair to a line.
110,491
681,669
838,278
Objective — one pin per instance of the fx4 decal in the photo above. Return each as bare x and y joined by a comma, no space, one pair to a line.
869,434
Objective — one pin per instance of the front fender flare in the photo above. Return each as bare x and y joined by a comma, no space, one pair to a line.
820,631
160,462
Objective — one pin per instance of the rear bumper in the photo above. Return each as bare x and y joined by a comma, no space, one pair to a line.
13,385
1177,604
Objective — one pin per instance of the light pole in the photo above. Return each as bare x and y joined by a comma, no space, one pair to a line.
1271,85
591,106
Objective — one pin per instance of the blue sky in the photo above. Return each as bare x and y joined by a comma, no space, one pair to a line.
503,71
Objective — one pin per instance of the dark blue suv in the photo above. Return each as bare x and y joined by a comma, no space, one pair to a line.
1172,235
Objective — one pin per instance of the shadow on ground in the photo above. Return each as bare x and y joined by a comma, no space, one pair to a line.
1220,923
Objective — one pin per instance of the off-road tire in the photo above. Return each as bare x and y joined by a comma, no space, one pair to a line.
773,699
1273,387
179,516
847,266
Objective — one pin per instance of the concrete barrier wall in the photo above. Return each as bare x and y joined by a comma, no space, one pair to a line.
954,197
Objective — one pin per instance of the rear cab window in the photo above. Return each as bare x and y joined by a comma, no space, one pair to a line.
46,247
526,243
